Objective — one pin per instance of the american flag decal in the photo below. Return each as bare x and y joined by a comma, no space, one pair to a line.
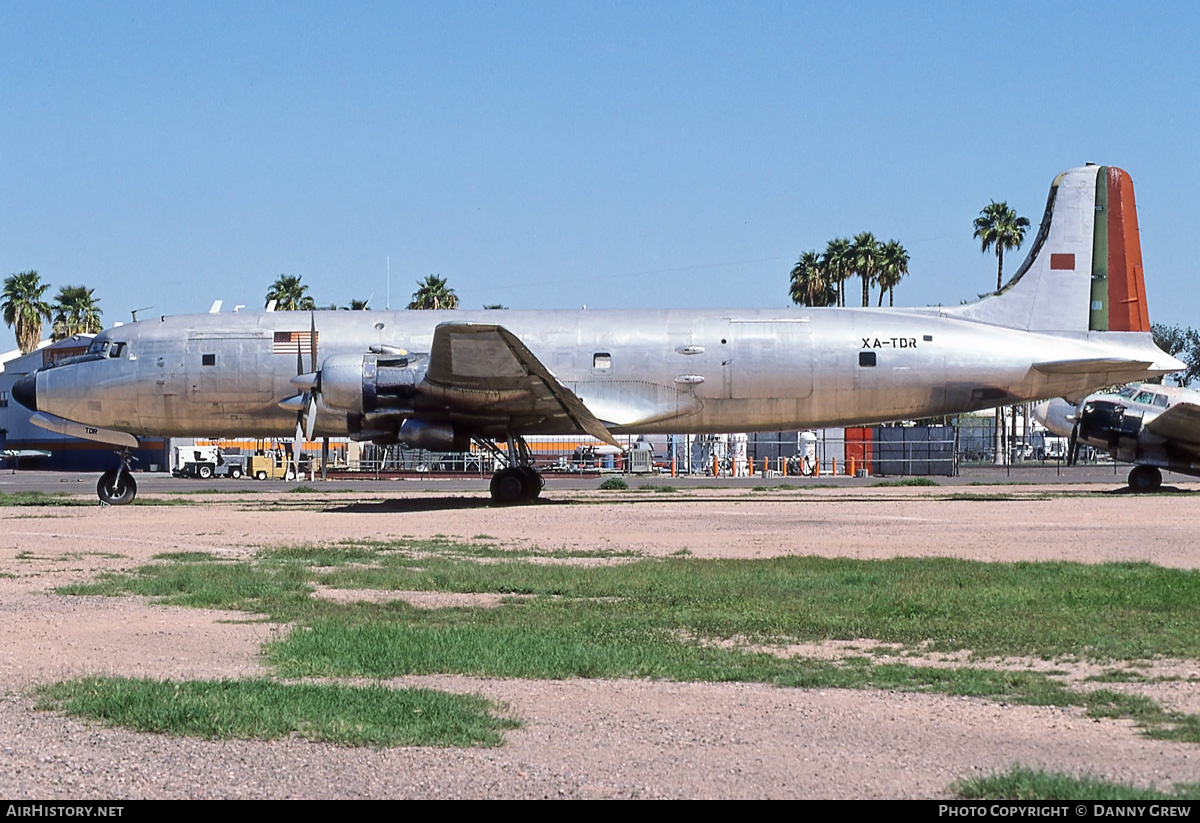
289,342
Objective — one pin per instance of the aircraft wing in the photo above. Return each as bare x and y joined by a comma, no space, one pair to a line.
484,370
1179,424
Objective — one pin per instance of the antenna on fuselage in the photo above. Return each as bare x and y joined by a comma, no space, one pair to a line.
135,311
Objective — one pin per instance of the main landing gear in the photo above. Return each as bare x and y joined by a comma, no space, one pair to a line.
1144,479
519,482
117,486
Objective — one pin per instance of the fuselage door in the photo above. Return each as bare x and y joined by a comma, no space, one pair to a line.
771,357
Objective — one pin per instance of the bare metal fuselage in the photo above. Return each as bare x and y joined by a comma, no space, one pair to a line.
637,371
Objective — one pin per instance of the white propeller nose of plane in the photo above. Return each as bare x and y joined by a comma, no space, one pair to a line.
1057,415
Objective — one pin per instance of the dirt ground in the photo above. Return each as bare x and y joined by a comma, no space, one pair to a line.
581,738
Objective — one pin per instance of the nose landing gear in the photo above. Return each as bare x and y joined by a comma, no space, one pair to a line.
117,486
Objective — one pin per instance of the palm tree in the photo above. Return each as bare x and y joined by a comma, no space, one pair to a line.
25,309
998,225
76,312
810,286
864,256
288,294
359,305
893,265
432,293
836,263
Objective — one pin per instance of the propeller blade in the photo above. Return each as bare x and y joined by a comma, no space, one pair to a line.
299,432
312,341
310,418
1073,445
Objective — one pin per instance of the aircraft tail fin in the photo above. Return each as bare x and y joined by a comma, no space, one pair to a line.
1084,270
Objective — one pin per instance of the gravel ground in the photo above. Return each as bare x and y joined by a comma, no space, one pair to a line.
581,738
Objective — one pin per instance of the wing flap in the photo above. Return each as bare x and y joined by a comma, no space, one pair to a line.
482,368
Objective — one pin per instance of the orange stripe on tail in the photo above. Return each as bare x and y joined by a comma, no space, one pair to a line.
1127,308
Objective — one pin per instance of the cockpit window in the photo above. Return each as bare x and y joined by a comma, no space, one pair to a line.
116,350
98,347
1160,400
1146,397
1128,391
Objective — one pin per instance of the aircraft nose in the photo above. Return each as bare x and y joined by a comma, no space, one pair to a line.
24,391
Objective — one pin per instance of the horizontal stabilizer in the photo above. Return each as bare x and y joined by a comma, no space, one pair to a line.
1091,365
72,429
1179,424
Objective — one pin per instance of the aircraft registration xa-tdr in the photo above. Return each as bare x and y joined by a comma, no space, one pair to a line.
1072,319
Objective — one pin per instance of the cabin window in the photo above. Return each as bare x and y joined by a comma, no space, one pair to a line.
1146,397
601,360
208,360
1160,400
866,358
3,400
928,338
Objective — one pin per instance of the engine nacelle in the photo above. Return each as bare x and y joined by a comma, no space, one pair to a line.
1111,426
365,383
437,437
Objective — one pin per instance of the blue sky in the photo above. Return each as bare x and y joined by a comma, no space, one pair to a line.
551,155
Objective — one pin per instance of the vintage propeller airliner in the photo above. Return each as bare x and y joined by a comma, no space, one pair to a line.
1071,320
1152,426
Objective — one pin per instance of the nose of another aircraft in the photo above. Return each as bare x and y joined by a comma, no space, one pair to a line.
24,391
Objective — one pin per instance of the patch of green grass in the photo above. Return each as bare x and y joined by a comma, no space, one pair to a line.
1020,783
206,585
1115,611
907,481
402,551
266,710
187,557
302,489
1118,676
614,484
655,487
36,498
686,618
1157,722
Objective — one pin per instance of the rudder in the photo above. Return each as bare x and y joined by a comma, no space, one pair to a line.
1084,269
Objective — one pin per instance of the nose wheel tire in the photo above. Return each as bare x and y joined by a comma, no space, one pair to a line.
1145,479
116,488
